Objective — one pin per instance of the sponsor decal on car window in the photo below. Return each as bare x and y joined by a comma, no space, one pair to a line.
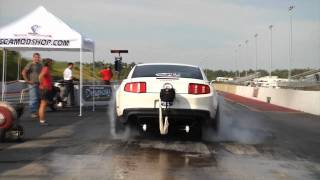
168,74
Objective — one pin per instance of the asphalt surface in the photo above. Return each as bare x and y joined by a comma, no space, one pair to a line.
251,144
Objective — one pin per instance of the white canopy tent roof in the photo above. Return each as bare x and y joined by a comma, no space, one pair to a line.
40,30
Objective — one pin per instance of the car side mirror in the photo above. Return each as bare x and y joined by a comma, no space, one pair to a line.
211,82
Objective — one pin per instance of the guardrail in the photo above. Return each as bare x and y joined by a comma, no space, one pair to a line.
308,73
299,84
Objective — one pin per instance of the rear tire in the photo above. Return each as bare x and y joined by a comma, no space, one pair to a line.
216,120
119,127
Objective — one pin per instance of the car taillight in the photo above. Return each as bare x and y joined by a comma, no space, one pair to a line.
136,87
198,89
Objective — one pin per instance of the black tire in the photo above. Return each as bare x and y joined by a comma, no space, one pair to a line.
216,120
2,135
119,127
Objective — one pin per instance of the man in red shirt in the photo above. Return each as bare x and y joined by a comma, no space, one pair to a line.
106,75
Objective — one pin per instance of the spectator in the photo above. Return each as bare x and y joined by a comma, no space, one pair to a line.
31,74
45,80
68,81
106,75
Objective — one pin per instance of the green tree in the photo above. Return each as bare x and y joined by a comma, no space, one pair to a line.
12,64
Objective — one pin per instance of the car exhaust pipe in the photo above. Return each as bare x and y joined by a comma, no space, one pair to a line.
187,129
144,127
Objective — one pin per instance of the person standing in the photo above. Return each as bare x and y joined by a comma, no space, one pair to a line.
31,74
106,75
45,86
68,81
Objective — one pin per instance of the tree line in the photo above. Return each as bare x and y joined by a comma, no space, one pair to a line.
13,57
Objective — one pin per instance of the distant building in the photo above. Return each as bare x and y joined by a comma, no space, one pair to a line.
224,79
268,81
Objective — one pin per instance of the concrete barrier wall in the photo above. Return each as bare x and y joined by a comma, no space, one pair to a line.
306,101
226,88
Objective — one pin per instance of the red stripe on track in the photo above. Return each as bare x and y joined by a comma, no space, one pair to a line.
255,104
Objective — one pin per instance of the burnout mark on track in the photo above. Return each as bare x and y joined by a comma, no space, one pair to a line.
241,149
254,104
185,147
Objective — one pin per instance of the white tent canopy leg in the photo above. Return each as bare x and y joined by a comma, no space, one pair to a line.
19,66
94,80
81,84
4,67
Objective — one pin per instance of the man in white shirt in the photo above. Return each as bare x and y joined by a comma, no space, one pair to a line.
68,81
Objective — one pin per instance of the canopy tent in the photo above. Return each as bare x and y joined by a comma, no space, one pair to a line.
40,30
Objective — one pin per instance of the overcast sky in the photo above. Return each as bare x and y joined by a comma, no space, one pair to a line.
200,32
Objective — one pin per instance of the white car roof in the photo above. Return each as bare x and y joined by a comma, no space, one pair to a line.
177,64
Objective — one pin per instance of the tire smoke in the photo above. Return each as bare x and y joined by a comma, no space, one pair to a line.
126,132
235,126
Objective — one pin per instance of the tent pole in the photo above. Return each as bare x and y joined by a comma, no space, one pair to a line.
4,59
81,83
94,81
19,61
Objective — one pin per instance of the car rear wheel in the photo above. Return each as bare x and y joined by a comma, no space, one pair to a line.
216,120
119,127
